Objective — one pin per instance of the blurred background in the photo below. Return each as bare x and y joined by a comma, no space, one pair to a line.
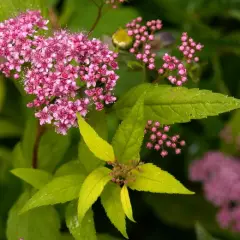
215,24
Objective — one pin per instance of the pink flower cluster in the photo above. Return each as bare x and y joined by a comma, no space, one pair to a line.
16,41
173,64
159,139
220,175
143,35
189,48
114,3
67,73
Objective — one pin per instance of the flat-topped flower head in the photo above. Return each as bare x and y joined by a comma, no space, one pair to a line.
16,41
66,73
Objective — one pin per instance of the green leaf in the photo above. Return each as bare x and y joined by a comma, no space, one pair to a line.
59,190
125,199
28,140
72,167
98,121
52,148
111,202
175,104
202,234
39,224
12,7
129,136
96,144
19,161
92,189
9,129
152,179
35,177
85,230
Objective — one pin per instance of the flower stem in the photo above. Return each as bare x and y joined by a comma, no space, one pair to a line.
97,19
40,132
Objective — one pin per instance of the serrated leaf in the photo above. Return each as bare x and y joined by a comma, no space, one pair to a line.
51,150
92,189
85,230
98,121
150,178
170,105
129,136
202,234
59,190
39,224
111,202
72,167
99,147
125,199
35,177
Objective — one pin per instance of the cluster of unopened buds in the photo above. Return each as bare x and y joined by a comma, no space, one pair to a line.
174,70
143,35
122,173
67,73
159,139
220,175
114,3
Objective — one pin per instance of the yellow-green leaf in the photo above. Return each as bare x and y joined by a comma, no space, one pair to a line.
129,136
127,207
91,189
111,202
150,178
59,190
35,177
99,147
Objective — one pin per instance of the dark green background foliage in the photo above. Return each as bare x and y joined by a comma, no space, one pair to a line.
214,23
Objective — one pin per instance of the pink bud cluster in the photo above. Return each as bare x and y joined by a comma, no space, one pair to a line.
114,3
160,140
172,64
227,136
143,35
67,73
189,48
220,175
16,41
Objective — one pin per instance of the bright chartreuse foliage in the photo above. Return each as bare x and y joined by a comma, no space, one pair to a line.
86,157
59,190
35,177
112,204
85,230
152,179
72,167
169,105
101,148
91,189
125,199
129,136
38,224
